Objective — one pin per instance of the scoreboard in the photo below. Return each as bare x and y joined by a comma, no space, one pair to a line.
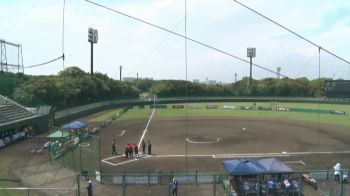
337,88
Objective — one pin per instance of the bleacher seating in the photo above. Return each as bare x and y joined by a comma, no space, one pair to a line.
9,112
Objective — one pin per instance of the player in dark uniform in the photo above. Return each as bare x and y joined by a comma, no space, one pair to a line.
126,151
143,146
114,148
149,147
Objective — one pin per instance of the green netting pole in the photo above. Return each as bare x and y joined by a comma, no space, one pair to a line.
258,185
341,182
99,158
124,184
78,183
214,188
80,158
169,183
300,185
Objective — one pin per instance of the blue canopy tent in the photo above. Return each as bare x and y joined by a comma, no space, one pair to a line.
78,124
274,165
243,166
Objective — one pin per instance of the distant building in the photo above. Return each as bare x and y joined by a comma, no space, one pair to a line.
212,82
195,81
129,79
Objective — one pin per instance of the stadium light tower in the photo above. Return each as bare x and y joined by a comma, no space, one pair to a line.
92,38
251,55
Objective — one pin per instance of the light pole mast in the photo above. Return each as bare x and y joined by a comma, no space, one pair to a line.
92,38
120,72
251,55
278,73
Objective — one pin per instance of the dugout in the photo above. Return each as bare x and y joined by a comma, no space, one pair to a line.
265,176
58,142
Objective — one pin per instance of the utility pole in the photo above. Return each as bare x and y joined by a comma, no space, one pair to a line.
92,38
251,55
120,72
235,77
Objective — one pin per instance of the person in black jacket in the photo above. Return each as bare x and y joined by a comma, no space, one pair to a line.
149,147
126,151
89,188
114,148
143,146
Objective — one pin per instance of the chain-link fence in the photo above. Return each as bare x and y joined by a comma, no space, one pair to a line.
199,183
77,151
196,183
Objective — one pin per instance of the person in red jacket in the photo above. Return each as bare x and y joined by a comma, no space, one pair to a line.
136,150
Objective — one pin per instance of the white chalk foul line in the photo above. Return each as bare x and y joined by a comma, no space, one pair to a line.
283,154
112,157
123,131
123,162
178,155
205,142
144,131
300,162
225,156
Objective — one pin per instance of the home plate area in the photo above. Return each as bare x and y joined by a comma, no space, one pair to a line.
121,159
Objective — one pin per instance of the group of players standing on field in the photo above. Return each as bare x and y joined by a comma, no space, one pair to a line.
132,150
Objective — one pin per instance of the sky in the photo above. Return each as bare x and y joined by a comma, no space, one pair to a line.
139,48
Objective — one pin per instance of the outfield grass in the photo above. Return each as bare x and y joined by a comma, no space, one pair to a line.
323,118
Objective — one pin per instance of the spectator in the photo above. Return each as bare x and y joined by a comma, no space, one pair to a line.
174,186
270,186
336,171
89,188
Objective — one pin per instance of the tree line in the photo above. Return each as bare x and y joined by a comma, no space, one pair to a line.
70,87
300,87
73,87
